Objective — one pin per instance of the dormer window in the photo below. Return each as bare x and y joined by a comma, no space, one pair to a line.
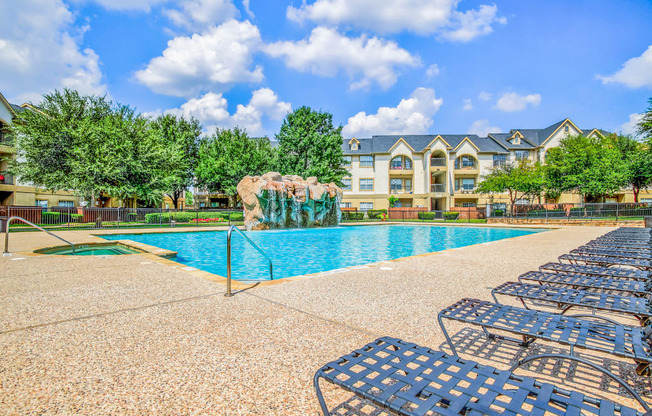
517,140
353,146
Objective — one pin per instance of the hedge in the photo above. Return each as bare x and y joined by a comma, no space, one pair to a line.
451,215
426,215
353,215
374,214
76,217
499,213
51,217
156,218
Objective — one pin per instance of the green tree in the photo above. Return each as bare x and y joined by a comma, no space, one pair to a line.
227,156
592,167
89,146
309,145
637,159
517,179
644,126
180,140
189,198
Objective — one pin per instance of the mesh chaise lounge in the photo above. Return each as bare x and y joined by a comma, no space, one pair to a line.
407,379
592,270
622,244
566,298
614,252
605,260
623,341
595,283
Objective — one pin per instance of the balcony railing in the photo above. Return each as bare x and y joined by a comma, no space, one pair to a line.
465,189
469,166
6,178
400,190
438,161
438,187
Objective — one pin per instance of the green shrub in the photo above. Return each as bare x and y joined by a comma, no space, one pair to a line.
76,217
131,216
352,216
51,217
374,214
237,217
451,215
156,218
499,213
426,215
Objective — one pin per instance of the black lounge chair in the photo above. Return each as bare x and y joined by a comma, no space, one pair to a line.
644,247
591,270
407,379
615,252
604,260
566,298
622,341
595,283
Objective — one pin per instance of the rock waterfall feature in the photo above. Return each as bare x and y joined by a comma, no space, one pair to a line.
276,201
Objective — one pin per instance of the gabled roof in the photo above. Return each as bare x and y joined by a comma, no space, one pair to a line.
11,107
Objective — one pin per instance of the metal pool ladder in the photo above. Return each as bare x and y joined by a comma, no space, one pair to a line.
6,252
228,258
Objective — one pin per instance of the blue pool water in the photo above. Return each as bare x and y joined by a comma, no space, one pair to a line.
304,251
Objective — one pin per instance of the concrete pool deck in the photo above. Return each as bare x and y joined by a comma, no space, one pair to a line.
132,335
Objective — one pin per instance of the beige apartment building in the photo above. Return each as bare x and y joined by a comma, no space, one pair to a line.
441,171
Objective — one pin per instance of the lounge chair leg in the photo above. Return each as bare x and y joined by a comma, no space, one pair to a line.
320,397
448,338
644,370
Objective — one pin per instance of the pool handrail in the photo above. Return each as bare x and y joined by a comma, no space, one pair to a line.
228,258
35,226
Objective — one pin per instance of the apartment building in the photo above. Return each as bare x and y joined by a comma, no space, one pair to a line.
441,171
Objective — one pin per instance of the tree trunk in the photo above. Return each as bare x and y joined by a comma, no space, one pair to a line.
636,190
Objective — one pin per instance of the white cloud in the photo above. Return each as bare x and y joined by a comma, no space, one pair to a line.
511,101
214,60
423,17
211,110
245,4
484,96
482,128
630,126
635,73
468,104
40,50
411,116
326,52
469,25
432,71
196,15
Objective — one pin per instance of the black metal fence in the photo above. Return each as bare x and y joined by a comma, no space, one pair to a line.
75,218
557,212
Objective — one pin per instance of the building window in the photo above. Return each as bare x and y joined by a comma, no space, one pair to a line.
398,185
465,184
500,160
353,146
202,205
401,163
345,205
466,204
366,184
43,203
522,154
69,204
346,161
366,206
466,162
566,129
366,161
346,184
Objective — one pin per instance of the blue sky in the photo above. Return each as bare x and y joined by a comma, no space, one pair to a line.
379,66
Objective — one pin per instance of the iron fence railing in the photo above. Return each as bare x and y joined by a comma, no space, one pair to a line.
438,187
438,161
67,218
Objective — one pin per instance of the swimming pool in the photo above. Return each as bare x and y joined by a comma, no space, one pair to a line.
305,251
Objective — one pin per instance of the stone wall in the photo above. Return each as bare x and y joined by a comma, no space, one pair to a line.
550,221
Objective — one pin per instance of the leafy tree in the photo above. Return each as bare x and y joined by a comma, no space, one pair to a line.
189,198
309,145
592,167
644,126
88,145
227,156
518,179
180,140
637,159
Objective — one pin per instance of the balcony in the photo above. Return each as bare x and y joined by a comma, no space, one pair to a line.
465,189
6,178
400,190
6,144
438,187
